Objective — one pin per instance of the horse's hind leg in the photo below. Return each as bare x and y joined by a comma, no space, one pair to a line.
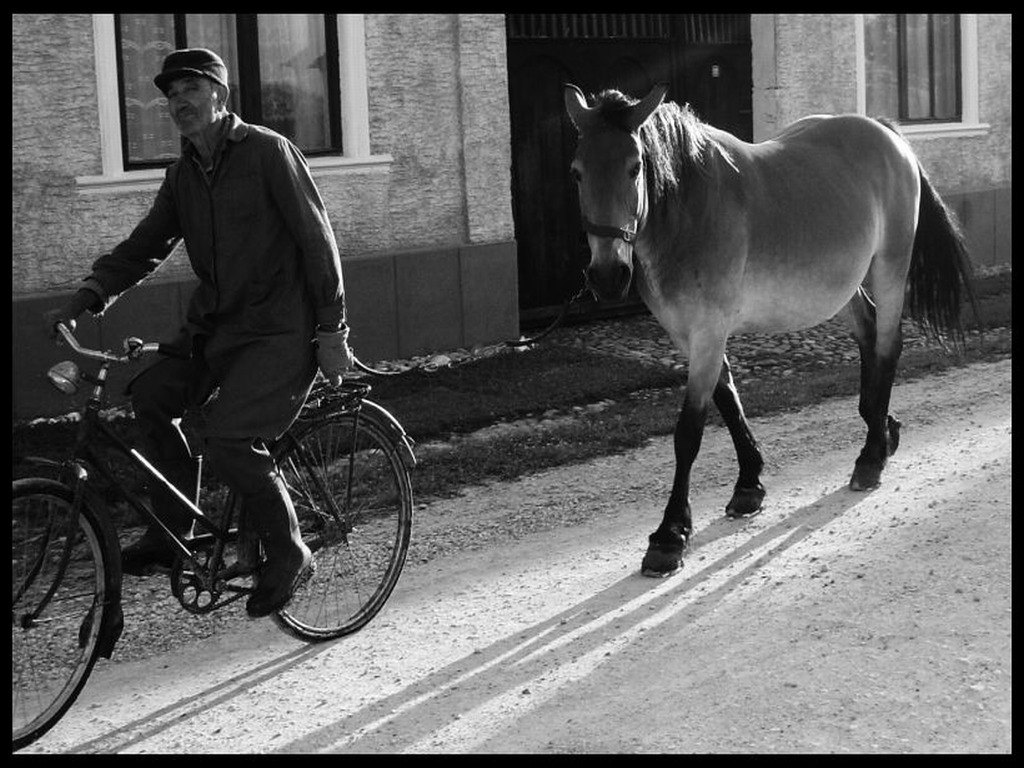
880,341
748,493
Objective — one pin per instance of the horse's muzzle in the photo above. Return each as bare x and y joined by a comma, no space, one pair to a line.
609,282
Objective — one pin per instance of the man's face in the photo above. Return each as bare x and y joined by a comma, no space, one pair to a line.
193,103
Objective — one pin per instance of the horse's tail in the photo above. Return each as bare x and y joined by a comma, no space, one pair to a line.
940,268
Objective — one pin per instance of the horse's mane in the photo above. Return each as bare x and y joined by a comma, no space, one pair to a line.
674,139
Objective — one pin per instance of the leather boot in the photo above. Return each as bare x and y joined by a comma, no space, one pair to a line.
152,549
288,560
247,544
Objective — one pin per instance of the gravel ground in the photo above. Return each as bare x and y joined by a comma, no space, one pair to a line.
751,355
831,622
155,623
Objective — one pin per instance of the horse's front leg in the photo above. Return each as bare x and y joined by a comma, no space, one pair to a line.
666,545
748,492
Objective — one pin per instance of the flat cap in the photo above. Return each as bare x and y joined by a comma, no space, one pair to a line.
191,62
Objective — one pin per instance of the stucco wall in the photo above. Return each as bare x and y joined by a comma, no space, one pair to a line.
427,239
806,63
802,64
486,152
816,64
437,90
413,93
56,231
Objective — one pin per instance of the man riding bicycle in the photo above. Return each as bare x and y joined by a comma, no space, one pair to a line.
268,311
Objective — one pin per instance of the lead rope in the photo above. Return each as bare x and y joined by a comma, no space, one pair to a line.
557,321
514,343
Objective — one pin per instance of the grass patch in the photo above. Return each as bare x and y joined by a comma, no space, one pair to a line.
509,386
632,423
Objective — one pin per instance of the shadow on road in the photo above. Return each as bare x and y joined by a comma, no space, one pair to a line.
566,647
577,640
154,722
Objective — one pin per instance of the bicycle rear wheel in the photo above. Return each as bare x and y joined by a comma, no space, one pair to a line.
353,498
62,586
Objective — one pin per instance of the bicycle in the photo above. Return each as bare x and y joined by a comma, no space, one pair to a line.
347,464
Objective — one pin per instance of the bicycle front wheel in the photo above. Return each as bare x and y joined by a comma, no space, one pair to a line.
61,587
353,498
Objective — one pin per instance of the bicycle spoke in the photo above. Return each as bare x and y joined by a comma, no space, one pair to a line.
353,500
58,580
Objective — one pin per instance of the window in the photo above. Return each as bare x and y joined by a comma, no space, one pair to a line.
115,177
913,70
282,73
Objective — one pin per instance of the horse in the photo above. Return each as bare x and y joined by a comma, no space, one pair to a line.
833,216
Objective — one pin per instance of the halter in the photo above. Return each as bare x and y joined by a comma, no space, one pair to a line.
602,230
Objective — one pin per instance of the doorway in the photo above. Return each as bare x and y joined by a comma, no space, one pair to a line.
706,60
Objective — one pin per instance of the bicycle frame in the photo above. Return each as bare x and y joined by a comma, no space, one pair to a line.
85,456
205,576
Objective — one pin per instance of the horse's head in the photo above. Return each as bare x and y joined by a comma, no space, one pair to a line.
608,169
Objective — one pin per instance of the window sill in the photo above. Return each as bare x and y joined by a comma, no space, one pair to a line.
944,130
330,166
150,180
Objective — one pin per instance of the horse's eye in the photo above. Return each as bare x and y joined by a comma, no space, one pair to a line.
634,170
576,176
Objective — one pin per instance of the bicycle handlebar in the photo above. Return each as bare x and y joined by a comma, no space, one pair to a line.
134,348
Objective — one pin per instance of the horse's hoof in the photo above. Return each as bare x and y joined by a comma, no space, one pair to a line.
865,477
745,501
894,434
659,563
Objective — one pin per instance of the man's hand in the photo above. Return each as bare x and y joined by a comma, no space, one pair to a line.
333,354
68,313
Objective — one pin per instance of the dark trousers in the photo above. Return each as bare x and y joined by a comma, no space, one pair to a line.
161,395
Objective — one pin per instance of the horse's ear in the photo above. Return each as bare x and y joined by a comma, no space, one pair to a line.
644,108
576,105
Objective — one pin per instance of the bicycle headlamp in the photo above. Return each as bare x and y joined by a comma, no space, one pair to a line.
65,376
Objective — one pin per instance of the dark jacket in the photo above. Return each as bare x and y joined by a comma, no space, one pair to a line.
260,242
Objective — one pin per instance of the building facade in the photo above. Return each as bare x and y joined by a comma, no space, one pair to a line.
417,172
418,195
826,63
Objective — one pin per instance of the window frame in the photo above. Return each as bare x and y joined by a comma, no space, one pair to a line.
969,123
247,100
354,100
